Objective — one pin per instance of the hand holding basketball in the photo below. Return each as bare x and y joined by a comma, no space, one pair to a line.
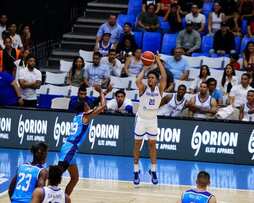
148,58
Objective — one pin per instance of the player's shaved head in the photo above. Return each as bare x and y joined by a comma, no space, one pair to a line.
203,179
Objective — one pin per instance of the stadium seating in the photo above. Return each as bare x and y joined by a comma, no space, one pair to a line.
244,25
59,90
60,103
121,83
164,25
213,62
65,66
237,43
134,7
138,38
245,41
207,43
121,19
168,43
55,78
194,62
152,41
86,55
207,8
43,90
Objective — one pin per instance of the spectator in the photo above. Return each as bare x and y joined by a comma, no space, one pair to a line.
4,35
246,8
9,91
126,48
174,19
164,6
26,37
16,39
189,39
247,109
22,62
215,18
146,3
148,21
127,32
215,93
120,104
248,57
174,104
112,27
234,23
204,74
202,105
113,64
234,61
228,80
251,26
196,18
133,64
186,5
229,7
224,41
178,65
30,79
104,44
76,74
8,56
3,21
96,73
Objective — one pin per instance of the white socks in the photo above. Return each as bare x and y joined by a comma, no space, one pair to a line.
153,167
136,168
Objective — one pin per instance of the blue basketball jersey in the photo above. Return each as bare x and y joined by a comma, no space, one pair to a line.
26,182
193,196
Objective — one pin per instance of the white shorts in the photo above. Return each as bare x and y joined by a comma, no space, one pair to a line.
146,127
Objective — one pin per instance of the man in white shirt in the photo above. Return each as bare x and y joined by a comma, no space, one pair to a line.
120,104
3,21
196,18
30,79
112,63
16,39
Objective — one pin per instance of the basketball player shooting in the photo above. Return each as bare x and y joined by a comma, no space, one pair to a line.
146,119
77,135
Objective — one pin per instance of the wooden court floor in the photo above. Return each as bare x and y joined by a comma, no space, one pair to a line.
106,191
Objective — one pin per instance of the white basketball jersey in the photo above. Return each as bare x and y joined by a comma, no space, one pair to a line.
205,105
53,194
175,107
246,115
149,103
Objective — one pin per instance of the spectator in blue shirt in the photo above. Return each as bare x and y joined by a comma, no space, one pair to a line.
215,93
9,91
110,27
177,65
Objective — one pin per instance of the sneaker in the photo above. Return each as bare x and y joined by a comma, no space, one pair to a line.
154,177
136,180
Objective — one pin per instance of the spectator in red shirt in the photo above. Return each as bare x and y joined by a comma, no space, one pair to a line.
234,61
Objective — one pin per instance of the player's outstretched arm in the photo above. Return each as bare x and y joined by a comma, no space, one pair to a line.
42,178
163,79
139,81
37,196
12,186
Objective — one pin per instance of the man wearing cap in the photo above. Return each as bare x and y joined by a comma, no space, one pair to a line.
189,39
196,18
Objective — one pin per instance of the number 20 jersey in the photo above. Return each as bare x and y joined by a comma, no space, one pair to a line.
26,182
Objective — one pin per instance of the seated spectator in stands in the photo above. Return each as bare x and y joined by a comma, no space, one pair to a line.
29,80
121,104
26,38
3,21
126,48
164,6
189,39
178,65
9,91
113,64
112,27
202,105
173,17
215,93
224,41
196,18
234,23
247,109
104,45
229,7
228,80
146,3
204,74
133,65
16,39
173,105
22,62
148,21
75,76
215,18
127,31
97,73
248,57
251,26
4,35
246,8
170,80
8,56
234,61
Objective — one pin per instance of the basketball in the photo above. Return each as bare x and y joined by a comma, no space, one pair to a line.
148,58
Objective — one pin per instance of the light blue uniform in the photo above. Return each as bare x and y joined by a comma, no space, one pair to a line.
75,139
193,196
27,179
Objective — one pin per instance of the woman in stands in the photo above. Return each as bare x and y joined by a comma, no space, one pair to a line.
248,57
133,64
215,18
173,16
76,74
104,45
126,48
203,76
228,80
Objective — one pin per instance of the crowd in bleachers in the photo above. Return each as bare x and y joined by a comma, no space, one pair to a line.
207,48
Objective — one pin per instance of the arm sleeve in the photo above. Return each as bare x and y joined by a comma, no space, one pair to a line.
21,75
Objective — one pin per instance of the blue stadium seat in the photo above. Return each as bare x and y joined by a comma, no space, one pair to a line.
207,43
195,54
207,8
138,38
126,18
44,100
134,7
164,25
244,26
237,43
152,41
168,43
245,41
